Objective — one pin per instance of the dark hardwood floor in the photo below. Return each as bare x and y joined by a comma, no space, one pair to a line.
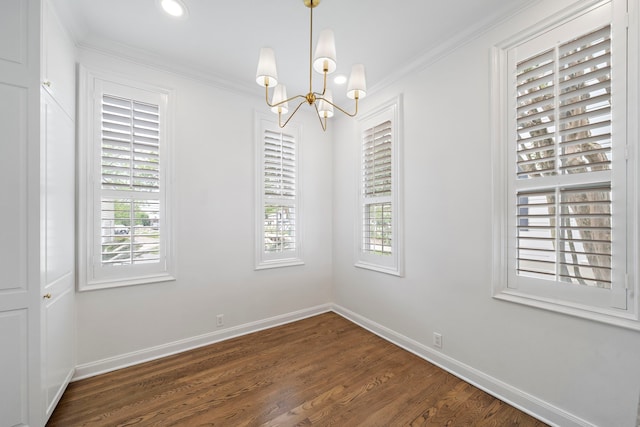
321,371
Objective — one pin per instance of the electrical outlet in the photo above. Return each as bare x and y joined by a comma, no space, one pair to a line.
437,340
220,320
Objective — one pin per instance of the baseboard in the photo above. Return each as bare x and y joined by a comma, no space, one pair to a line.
129,359
525,402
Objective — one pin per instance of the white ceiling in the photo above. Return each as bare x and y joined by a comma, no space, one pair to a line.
221,39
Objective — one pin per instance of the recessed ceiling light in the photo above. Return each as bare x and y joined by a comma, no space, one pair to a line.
175,8
340,79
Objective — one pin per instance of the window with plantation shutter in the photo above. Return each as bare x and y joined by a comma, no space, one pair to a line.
127,226
379,214
278,241
563,233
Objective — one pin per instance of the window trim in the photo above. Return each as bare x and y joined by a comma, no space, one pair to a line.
264,261
393,264
89,195
500,111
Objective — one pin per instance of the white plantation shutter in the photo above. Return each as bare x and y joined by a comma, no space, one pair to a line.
130,184
565,235
278,201
564,128
279,192
376,187
279,165
536,116
564,117
130,145
125,218
376,167
585,103
565,216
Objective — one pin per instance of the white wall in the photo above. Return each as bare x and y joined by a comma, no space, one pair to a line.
580,367
577,368
214,212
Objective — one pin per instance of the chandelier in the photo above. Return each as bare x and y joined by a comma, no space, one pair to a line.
324,62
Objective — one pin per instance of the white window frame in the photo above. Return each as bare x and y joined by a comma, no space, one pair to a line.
92,274
393,263
264,259
576,300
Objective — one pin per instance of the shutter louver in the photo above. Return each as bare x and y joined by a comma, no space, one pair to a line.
130,232
376,166
279,186
570,245
130,182
377,233
564,120
130,145
279,165
536,217
585,236
279,228
536,116
585,103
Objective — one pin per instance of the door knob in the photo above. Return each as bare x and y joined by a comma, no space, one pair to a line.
47,296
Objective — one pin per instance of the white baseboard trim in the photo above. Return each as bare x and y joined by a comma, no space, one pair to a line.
129,359
525,402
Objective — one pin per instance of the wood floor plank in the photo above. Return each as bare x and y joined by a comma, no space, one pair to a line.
319,371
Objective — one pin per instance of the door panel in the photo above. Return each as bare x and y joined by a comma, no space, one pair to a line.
13,368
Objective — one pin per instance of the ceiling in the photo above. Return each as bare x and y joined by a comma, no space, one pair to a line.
221,39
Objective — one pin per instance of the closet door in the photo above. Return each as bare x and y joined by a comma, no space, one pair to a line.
58,285
57,197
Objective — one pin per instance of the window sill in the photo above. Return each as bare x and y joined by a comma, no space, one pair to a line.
609,317
118,283
394,271
290,262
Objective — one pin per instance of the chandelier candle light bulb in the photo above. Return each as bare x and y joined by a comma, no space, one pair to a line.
323,62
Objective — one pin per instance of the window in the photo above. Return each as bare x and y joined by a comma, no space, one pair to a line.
561,239
379,215
125,224
278,225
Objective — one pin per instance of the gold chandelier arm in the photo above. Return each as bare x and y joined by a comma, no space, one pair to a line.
291,116
277,104
341,109
323,124
324,85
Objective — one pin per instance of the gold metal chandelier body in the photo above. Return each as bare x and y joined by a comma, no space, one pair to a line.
325,63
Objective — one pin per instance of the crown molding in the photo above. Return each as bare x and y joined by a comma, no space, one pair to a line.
433,55
194,72
159,63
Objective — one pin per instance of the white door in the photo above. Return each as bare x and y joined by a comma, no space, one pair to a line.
58,290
